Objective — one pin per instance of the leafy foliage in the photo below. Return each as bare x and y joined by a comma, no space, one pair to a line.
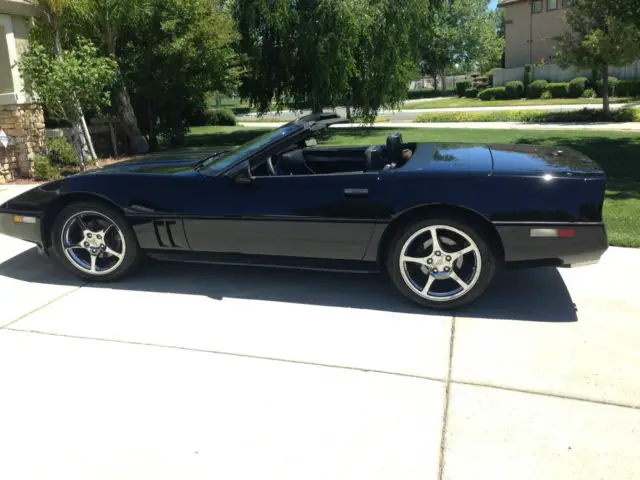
495,93
529,116
611,86
430,93
600,33
79,76
559,90
515,90
44,170
628,88
577,87
546,95
61,153
471,93
179,51
537,88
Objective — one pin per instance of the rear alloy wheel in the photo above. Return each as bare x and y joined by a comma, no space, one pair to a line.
441,264
94,242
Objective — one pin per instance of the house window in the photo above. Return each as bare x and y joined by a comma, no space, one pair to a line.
552,4
537,6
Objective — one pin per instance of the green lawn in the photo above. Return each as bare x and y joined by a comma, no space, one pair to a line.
455,102
617,152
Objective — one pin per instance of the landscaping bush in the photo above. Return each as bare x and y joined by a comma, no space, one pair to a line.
530,116
495,93
490,75
577,87
471,93
430,93
546,95
221,117
537,88
515,90
628,88
559,90
589,93
61,153
612,86
44,170
528,77
461,88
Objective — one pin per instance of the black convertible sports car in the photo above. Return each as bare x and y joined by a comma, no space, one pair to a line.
440,218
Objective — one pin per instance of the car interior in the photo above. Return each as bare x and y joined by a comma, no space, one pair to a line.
308,158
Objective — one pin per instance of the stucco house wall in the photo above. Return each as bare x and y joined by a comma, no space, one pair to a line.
21,118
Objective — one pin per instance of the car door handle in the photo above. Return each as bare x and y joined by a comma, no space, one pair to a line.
356,192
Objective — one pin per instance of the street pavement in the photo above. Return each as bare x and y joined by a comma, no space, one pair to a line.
618,127
411,115
195,371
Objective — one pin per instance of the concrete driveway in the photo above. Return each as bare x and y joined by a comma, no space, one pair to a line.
194,372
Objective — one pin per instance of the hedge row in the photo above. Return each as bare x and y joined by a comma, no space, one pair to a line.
430,93
531,116
577,88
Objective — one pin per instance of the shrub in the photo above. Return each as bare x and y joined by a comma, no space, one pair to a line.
490,75
515,90
530,116
430,93
221,117
612,86
528,77
61,153
44,170
577,87
559,90
471,93
461,88
495,93
589,93
537,88
628,88
546,95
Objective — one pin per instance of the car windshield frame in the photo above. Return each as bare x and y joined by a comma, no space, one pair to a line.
217,164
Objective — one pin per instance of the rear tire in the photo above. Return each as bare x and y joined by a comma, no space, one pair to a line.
94,242
453,274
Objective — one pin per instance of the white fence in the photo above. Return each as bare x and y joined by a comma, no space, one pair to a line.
427,82
553,73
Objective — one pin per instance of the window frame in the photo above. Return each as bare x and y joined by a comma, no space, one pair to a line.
533,9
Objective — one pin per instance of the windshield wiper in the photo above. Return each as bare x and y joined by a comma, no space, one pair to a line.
198,166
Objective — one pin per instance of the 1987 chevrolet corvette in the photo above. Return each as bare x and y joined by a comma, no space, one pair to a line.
440,218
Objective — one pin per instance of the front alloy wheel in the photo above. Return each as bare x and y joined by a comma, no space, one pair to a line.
94,242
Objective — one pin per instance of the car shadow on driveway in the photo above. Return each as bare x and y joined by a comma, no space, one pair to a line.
529,295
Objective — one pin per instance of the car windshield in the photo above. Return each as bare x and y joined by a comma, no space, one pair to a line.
220,162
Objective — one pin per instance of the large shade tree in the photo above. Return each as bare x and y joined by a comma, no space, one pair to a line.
600,33
322,53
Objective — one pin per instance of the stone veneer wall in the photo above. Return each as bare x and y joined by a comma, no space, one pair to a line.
25,123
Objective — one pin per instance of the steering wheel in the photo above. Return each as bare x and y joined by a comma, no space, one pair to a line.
270,166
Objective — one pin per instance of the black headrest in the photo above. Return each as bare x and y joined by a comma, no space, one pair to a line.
394,146
293,163
373,159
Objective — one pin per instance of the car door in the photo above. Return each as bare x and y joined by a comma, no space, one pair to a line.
313,216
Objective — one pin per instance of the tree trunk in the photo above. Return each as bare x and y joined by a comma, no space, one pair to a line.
435,82
87,136
605,92
79,142
137,142
218,101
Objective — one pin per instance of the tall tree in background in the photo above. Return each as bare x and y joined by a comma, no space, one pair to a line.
105,21
178,52
600,34
463,33
319,53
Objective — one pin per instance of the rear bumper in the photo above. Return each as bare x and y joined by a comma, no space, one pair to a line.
586,246
28,229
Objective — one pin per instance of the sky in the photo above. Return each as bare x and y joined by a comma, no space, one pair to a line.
493,4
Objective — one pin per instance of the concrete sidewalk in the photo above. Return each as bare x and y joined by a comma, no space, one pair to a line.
623,127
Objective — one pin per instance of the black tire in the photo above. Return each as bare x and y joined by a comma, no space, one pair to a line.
413,271
131,254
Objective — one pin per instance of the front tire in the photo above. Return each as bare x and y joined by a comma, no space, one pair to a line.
94,242
442,263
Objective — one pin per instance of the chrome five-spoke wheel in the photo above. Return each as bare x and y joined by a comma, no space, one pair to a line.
93,243
440,263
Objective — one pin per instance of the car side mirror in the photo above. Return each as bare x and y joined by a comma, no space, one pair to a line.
244,178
